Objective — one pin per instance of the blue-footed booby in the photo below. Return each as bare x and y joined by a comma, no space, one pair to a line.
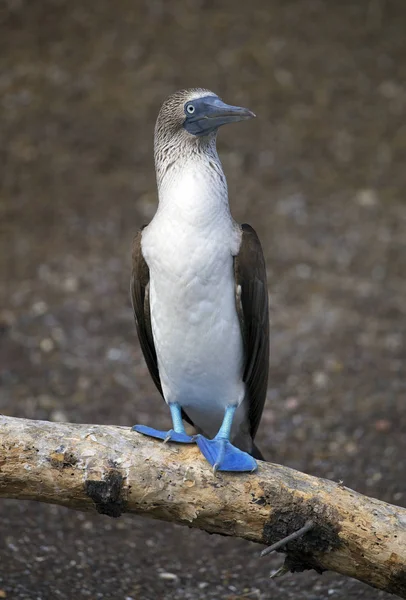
199,290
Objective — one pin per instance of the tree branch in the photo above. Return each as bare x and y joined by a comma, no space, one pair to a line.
113,470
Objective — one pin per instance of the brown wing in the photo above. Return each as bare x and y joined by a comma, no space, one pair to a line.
252,308
140,300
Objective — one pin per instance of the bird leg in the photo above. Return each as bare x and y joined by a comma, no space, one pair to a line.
221,453
177,434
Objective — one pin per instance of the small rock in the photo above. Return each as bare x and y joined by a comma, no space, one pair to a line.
382,425
291,403
320,379
47,345
58,416
39,308
168,576
367,198
71,284
202,585
114,354
375,477
351,448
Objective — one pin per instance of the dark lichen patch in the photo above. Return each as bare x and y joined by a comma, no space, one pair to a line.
397,583
296,564
107,494
62,458
290,515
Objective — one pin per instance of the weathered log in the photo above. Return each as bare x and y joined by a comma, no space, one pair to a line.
113,470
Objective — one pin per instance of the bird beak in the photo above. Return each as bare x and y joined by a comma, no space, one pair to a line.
220,113
213,113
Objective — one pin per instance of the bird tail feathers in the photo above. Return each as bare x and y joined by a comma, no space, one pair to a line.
256,452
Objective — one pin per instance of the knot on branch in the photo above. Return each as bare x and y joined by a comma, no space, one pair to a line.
289,515
107,493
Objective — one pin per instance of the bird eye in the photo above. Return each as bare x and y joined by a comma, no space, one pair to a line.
190,109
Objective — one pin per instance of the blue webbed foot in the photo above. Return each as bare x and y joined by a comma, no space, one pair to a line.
166,436
223,456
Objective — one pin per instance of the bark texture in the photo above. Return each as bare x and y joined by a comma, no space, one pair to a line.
113,470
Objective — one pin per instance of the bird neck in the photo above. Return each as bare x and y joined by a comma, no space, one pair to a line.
191,182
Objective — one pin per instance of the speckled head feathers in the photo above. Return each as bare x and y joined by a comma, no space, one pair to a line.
172,113
187,125
172,142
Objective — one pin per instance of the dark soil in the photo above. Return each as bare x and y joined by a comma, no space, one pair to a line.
321,176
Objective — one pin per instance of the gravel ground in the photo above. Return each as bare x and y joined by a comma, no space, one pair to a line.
320,174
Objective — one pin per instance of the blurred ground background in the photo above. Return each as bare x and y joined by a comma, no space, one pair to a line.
320,174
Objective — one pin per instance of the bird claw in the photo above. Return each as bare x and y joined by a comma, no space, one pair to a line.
168,436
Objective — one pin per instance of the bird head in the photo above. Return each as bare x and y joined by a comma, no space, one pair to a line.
196,113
